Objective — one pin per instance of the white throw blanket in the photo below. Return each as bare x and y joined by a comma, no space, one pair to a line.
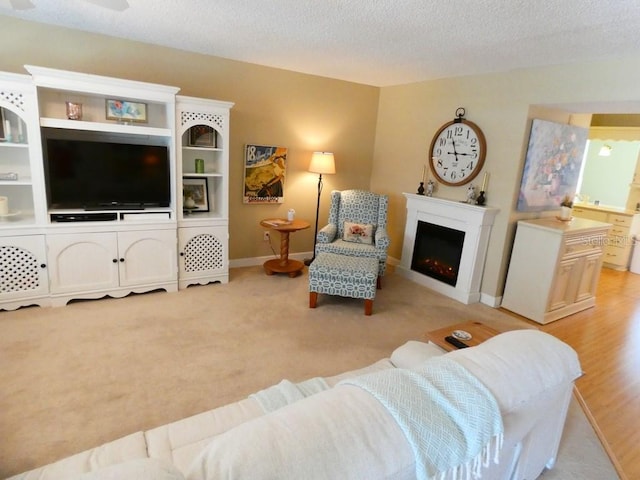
286,392
449,418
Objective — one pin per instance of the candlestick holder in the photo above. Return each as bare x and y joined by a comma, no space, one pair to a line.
421,189
481,200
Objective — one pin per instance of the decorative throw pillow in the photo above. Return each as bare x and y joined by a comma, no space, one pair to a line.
358,233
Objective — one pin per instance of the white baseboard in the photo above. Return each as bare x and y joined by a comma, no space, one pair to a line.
253,261
490,300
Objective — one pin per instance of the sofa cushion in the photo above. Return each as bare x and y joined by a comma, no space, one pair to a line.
181,441
127,448
413,353
520,365
374,367
146,468
328,435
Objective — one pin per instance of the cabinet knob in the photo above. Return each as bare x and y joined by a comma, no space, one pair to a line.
122,259
115,260
43,265
182,254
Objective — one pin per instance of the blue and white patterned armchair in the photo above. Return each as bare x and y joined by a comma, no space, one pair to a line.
361,208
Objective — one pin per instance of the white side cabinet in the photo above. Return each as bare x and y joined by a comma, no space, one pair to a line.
202,138
23,272
23,263
203,255
554,268
92,265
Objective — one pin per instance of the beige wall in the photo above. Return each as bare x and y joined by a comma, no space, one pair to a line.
502,105
273,107
380,136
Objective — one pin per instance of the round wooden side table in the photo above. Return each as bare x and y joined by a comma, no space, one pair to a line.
284,264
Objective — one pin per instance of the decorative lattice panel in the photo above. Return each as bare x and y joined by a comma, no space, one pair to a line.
211,118
19,270
16,99
203,252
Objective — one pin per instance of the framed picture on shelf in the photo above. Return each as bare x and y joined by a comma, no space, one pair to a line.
125,111
202,136
195,194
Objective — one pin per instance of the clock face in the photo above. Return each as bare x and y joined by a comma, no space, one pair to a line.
457,152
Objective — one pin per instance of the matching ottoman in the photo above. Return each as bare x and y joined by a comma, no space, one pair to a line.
343,275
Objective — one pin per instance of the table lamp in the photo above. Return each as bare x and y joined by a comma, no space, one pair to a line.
321,162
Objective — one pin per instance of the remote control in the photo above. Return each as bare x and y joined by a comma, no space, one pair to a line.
455,342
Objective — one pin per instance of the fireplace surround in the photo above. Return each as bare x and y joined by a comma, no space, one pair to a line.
471,222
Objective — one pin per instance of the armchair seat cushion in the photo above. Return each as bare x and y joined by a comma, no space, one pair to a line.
343,247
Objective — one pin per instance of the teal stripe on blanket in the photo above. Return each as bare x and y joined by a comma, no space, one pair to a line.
448,416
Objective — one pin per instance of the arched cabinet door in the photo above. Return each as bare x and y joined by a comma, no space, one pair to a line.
202,255
23,272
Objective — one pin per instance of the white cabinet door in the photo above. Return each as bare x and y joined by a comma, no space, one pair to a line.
82,262
563,292
589,275
203,255
147,257
23,268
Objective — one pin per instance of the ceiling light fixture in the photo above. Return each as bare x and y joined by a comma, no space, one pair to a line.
605,151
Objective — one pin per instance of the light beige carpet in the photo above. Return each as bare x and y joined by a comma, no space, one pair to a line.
77,376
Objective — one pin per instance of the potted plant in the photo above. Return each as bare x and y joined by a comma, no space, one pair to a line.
565,207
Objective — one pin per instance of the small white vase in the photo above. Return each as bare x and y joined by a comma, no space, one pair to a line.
565,213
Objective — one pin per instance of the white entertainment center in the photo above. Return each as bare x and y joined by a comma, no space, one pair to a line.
51,253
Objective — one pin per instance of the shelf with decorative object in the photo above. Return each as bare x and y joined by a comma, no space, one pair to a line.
21,182
202,136
127,129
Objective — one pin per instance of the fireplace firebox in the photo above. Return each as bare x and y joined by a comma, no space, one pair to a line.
437,252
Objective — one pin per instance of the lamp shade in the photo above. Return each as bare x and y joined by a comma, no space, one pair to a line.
322,162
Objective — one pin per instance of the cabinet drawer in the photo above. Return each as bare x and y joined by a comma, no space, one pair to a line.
619,220
619,231
589,214
617,254
583,246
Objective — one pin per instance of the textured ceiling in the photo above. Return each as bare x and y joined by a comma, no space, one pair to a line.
374,42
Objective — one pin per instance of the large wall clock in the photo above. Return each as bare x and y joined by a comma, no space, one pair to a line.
457,151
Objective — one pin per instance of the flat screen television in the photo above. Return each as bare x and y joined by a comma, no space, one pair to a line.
97,174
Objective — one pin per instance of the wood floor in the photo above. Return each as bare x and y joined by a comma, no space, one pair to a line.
607,339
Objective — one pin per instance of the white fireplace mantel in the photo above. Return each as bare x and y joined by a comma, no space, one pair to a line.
475,221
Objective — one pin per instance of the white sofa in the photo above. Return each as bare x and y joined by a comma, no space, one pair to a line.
342,431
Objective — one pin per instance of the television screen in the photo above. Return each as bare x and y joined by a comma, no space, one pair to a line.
106,175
